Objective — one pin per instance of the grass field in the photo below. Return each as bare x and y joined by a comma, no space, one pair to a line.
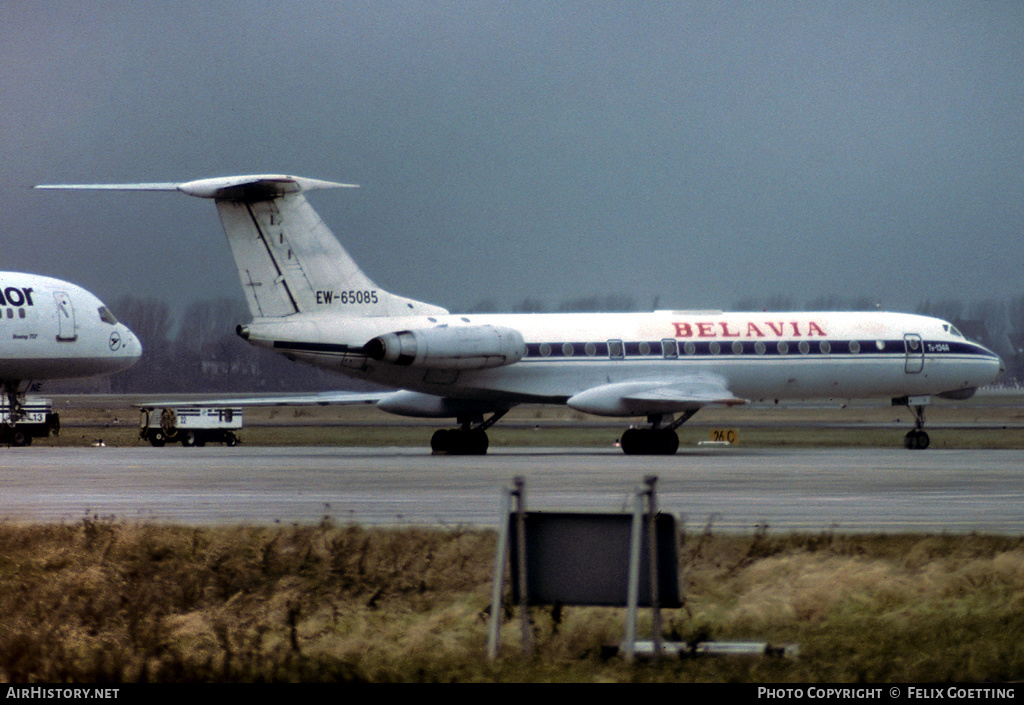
105,601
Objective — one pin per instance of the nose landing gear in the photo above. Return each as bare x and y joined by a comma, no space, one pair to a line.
916,439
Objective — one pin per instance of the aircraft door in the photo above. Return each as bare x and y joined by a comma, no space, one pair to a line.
915,353
65,317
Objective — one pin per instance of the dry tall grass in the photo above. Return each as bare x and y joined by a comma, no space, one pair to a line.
103,600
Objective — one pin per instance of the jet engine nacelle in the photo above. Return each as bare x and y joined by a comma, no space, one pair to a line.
457,348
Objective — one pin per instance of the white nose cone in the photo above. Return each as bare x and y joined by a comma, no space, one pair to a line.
125,347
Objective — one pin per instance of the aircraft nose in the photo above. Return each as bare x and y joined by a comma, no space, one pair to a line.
130,344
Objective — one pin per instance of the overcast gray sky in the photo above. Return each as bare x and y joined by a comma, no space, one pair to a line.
699,153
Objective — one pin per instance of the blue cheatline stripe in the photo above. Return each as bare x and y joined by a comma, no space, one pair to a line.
749,348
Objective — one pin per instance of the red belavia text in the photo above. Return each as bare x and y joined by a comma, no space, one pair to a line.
748,329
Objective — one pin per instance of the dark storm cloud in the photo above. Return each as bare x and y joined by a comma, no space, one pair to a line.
700,153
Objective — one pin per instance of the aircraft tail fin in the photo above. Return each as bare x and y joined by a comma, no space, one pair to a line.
288,260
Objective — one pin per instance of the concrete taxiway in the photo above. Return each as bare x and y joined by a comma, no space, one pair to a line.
733,489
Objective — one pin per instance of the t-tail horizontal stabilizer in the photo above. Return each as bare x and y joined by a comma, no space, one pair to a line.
250,187
288,261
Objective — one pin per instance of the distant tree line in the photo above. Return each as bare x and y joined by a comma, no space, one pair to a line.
199,351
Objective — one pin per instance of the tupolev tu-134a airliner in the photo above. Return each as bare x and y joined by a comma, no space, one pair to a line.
312,303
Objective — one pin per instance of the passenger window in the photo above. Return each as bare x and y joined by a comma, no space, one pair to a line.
669,348
616,351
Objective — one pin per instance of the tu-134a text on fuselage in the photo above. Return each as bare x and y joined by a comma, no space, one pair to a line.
311,302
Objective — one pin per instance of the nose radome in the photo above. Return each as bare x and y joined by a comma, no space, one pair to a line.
131,343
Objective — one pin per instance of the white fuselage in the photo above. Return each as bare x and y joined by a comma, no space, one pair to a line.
52,329
756,355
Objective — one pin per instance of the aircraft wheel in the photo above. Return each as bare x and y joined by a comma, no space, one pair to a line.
916,440
668,442
439,442
631,441
475,442
453,441
649,441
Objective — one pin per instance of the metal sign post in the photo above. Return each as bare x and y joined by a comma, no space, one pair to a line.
566,558
514,506
633,601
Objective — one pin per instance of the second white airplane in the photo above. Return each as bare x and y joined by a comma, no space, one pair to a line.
311,302
52,329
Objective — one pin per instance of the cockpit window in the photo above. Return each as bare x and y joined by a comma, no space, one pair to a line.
106,316
951,329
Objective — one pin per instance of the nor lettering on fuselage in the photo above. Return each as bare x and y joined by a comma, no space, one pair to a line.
312,303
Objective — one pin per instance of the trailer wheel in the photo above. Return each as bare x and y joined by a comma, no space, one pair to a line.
20,438
230,439
157,438
188,439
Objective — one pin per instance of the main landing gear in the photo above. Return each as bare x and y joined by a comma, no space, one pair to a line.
655,440
470,438
916,439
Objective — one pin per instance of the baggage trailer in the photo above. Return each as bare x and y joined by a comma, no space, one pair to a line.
191,425
35,420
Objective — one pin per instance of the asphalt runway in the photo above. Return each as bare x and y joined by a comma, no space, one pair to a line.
734,489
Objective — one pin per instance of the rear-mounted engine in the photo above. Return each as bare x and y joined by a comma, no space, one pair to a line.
459,348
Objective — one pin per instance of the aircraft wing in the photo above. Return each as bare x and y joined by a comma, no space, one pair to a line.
655,396
311,399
